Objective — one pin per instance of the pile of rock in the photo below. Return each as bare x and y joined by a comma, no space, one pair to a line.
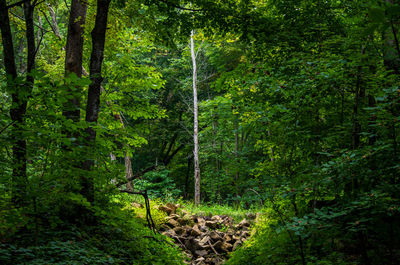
204,239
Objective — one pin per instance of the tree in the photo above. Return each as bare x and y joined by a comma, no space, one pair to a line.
20,93
93,99
195,125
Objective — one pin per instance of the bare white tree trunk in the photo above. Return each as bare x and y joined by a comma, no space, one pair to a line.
195,127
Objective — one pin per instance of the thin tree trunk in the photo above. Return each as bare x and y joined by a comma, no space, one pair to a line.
196,126
54,25
352,186
39,33
236,184
128,162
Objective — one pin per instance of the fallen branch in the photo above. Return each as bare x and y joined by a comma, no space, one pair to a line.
149,219
216,253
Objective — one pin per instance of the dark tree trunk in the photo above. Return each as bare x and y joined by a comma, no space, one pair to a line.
93,101
71,109
16,112
19,94
73,53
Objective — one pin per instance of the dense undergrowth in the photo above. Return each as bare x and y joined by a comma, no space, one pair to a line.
118,236
345,234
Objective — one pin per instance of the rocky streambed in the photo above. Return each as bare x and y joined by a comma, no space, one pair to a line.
204,239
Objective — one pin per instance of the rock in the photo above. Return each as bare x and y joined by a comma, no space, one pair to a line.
165,209
215,236
212,224
236,245
244,223
204,240
173,207
245,234
211,261
223,246
218,245
203,228
193,244
227,220
228,238
172,223
201,221
199,237
174,216
189,254
200,261
169,233
251,216
137,205
195,231
184,220
217,218
201,253
236,238
179,230
164,227
228,247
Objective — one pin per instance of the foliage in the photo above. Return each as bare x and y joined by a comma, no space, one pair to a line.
298,113
158,185
120,237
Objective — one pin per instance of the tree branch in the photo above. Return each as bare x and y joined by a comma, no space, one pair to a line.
17,4
141,173
11,123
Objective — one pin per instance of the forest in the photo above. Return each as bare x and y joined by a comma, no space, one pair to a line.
200,132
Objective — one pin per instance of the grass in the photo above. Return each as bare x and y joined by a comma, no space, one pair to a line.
237,214
208,209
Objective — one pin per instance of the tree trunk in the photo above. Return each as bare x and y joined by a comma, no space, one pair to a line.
17,109
196,126
73,54
19,94
391,49
236,184
127,160
93,100
71,109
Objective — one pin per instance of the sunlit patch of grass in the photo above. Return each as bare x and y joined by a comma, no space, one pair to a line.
216,209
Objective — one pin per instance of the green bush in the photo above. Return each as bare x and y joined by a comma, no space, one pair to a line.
118,236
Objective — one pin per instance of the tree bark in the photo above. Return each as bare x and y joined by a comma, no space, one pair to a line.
196,126
127,161
236,159
73,54
16,111
93,100
54,25
19,94
71,109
